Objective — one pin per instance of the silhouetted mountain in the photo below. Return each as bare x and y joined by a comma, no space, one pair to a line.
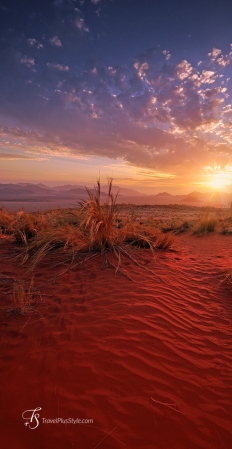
75,191
78,191
43,186
164,194
122,191
67,187
196,194
71,193
191,199
23,189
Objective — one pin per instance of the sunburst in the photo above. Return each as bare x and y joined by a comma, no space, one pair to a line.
219,180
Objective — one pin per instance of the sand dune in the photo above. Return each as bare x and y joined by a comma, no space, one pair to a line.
149,360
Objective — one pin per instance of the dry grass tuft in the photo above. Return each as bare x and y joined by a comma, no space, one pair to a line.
145,237
100,229
205,225
21,226
228,277
104,229
100,221
6,220
66,237
22,296
96,225
226,226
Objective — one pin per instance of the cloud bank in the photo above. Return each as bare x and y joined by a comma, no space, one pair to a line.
152,113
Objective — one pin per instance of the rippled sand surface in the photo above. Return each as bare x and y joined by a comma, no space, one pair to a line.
149,360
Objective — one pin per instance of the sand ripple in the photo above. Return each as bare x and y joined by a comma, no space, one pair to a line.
149,361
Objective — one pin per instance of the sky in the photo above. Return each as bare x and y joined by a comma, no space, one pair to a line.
136,90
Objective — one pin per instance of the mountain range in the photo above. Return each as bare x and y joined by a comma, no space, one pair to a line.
28,192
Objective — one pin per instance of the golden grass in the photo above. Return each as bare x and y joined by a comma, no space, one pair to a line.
94,226
228,277
6,220
66,237
145,236
100,221
22,296
99,224
205,224
21,226
226,226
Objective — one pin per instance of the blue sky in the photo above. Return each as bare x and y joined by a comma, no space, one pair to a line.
137,90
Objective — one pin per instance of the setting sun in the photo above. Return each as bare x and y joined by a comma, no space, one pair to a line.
218,181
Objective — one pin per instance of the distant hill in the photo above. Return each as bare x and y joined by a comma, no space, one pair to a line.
23,189
67,187
81,191
197,195
122,191
26,184
164,194
71,193
75,191
191,199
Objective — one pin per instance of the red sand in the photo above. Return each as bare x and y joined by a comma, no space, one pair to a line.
105,346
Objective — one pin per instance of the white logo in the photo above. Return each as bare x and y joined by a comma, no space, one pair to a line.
31,418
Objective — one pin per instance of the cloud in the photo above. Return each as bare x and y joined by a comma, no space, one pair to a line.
207,77
217,56
58,67
167,54
55,41
80,24
68,19
34,43
95,2
184,70
15,157
152,114
29,62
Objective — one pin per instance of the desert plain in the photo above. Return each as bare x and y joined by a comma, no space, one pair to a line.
135,344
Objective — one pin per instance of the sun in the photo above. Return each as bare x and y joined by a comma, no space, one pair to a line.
218,181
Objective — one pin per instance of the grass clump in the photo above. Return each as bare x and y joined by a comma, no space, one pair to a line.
22,296
95,226
145,237
66,237
205,225
177,226
105,230
100,222
228,279
226,226
6,220
21,226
